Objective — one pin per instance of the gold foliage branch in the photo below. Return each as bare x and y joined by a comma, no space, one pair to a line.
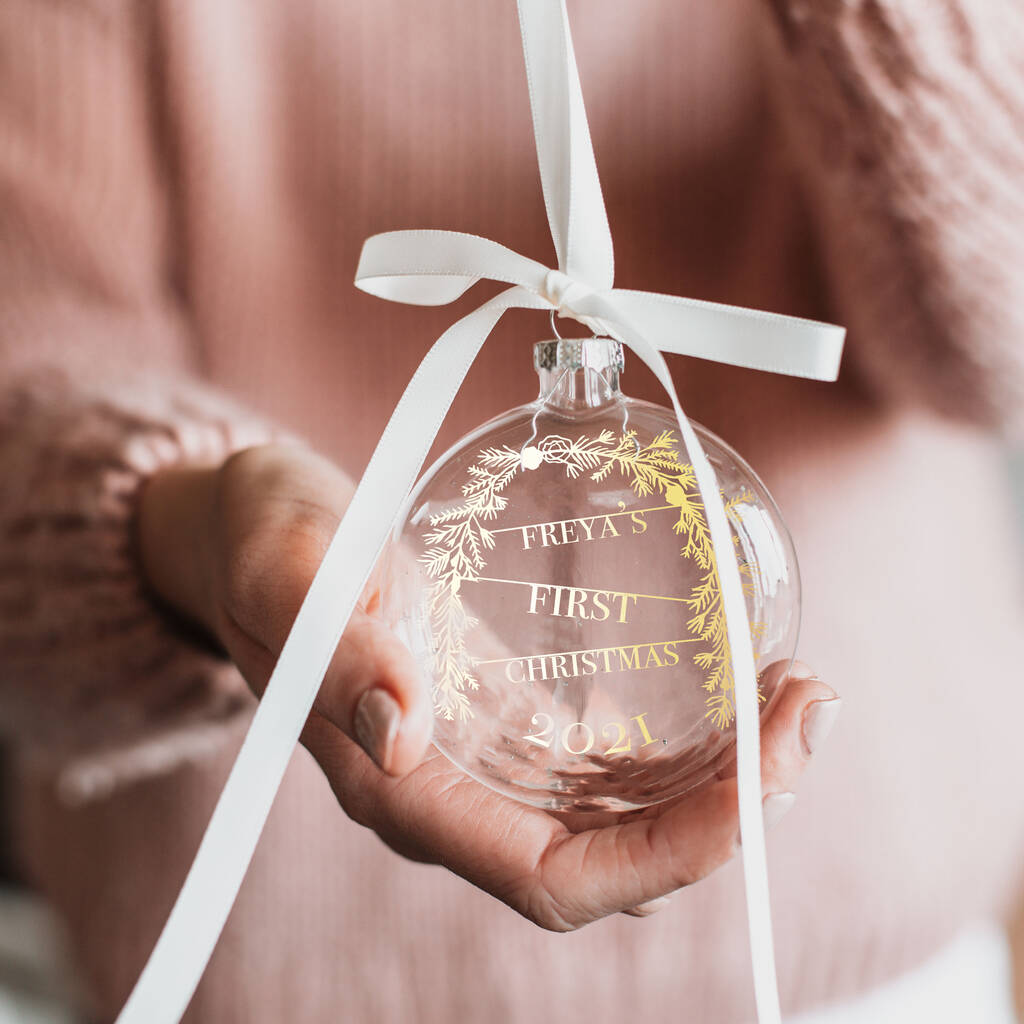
456,542
708,612
656,469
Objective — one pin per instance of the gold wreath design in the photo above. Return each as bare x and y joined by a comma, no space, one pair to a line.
458,539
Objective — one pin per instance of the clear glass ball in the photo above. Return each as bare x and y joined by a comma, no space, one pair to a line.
554,578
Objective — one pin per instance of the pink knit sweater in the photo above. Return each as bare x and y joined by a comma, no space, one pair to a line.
183,191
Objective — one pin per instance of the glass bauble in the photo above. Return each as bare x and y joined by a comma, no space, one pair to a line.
555,580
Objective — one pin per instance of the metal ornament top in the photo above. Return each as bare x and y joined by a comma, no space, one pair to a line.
577,353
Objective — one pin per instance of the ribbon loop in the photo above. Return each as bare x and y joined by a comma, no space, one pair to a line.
433,268
565,156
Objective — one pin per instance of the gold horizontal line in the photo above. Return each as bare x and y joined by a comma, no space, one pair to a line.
592,590
589,650
576,519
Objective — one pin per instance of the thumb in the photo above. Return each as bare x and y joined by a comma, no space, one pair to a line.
278,512
234,548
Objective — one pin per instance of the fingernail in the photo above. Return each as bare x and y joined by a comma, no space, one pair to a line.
376,723
819,717
650,907
775,807
800,670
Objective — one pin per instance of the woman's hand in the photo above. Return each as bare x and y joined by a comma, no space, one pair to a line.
235,547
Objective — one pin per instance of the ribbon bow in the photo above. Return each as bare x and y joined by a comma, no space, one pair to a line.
433,268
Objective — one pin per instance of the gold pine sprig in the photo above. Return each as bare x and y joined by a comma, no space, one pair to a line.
708,621
456,541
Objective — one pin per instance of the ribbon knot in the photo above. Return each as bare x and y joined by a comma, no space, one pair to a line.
566,294
561,291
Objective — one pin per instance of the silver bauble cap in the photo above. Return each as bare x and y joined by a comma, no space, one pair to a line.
577,353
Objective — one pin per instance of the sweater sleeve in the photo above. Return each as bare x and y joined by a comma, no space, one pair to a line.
907,121
99,388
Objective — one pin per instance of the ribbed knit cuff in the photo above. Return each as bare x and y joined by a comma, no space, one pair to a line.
97,680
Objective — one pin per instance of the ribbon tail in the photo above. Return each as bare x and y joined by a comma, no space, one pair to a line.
166,986
748,729
733,334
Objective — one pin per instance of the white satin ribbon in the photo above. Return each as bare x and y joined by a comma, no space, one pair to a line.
432,268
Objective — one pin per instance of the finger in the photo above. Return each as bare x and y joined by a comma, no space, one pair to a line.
804,713
645,859
438,814
372,690
589,875
375,693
